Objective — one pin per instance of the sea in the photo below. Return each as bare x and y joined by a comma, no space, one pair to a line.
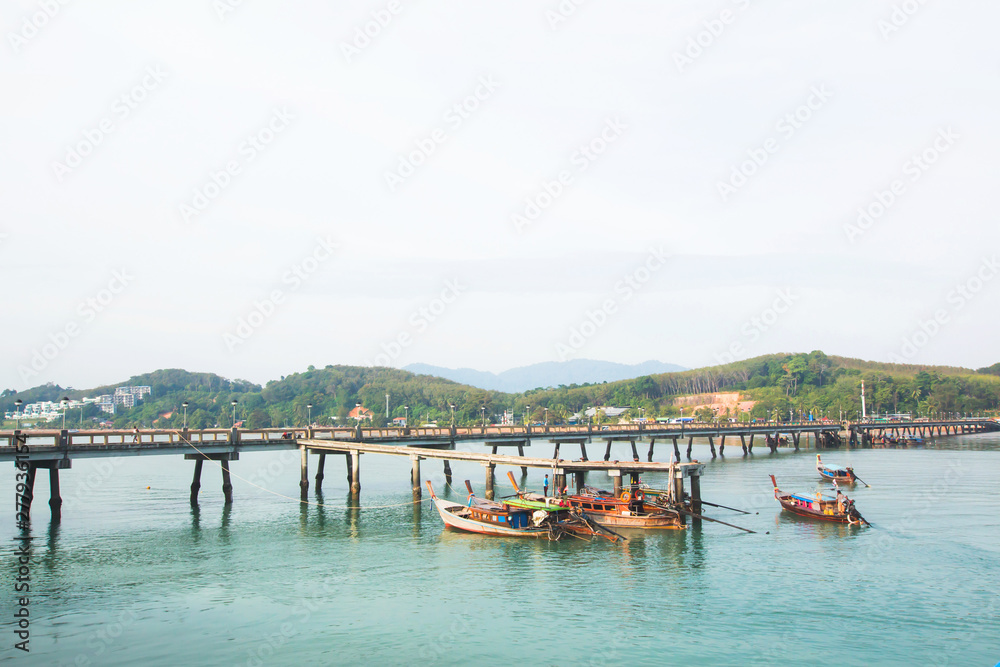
134,575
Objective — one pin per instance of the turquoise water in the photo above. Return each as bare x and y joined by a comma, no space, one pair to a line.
134,576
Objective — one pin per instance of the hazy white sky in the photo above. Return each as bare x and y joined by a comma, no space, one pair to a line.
251,189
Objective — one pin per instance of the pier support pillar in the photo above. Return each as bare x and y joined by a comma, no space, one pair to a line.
227,485
677,452
196,481
29,491
304,478
607,453
743,441
520,452
795,440
355,457
579,474
690,443
555,452
490,467
618,482
750,446
55,500
635,454
447,471
649,456
560,481
722,445
319,471
583,451
678,482
696,495
415,476
711,444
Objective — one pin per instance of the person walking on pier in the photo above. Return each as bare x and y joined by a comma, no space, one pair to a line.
545,486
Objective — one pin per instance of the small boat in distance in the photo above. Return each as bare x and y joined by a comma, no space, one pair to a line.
838,509
841,476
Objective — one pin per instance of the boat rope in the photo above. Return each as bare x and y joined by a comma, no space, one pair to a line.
298,500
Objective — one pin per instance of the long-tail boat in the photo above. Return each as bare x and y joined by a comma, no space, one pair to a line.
628,510
838,508
486,517
841,476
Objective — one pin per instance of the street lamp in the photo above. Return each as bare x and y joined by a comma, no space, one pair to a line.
546,416
406,415
357,412
527,411
65,404
387,406
452,406
482,409
17,414
234,413
309,413
185,405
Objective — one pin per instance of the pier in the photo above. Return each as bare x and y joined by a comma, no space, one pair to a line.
54,450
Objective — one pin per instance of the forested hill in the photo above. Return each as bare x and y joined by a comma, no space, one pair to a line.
778,383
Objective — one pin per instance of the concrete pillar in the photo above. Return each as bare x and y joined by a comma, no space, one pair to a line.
722,445
490,481
635,454
196,481
555,452
579,480
227,486
520,452
795,439
690,443
607,453
55,500
304,478
677,452
618,482
415,476
447,471
750,445
583,451
649,456
743,441
696,494
711,445
319,471
355,474
29,491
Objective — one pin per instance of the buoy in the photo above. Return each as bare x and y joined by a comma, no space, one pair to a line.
147,488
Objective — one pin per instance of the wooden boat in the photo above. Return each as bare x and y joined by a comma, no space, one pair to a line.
838,508
841,476
629,510
486,517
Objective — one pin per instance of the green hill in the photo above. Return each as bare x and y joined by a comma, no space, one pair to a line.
801,383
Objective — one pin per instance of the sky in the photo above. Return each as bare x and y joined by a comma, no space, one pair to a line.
250,188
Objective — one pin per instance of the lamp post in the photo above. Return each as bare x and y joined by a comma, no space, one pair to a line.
357,412
309,413
234,413
17,414
527,411
65,404
387,406
482,409
546,416
452,406
185,406
406,416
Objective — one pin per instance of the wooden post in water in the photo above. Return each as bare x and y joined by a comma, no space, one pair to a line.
649,456
447,471
583,451
196,482
722,445
55,500
415,475
690,443
677,452
711,444
355,474
696,494
750,446
319,471
490,493
607,453
635,454
743,441
304,479
227,485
